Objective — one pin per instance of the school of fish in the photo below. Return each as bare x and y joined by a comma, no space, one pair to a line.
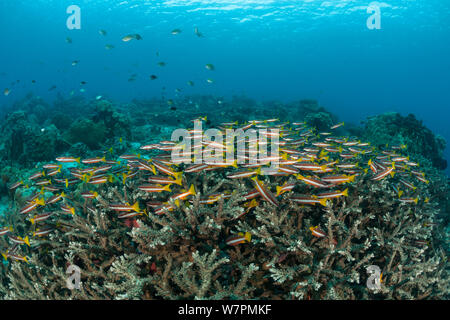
314,168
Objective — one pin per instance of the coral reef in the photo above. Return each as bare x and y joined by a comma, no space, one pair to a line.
131,243
393,128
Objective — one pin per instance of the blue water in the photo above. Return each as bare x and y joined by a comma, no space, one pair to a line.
285,50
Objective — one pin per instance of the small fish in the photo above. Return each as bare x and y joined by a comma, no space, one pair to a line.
67,159
19,240
69,40
161,64
14,257
75,62
238,239
68,209
264,192
83,83
176,31
98,97
109,46
210,80
316,232
5,230
190,83
153,77
337,126
102,32
154,188
7,91
198,33
125,207
131,37
209,66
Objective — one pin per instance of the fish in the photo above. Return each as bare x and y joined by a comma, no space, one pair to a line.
14,257
384,173
125,207
6,230
89,194
41,232
175,31
337,126
131,37
316,232
154,188
41,217
6,92
153,77
238,239
209,66
312,181
109,46
264,192
102,32
68,209
285,188
190,83
309,200
161,64
197,32
333,194
68,159
19,240
75,62
68,39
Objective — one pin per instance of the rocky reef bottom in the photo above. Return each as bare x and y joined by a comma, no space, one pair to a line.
91,184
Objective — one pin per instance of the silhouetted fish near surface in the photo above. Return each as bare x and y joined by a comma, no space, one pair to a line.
153,77
52,88
198,33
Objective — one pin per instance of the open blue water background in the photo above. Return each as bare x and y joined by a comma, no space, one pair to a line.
284,50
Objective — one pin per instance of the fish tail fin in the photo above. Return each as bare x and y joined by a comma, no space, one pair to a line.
77,159
167,188
27,240
5,256
392,174
135,207
248,236
345,192
400,192
192,190
416,200
323,202
279,189
32,220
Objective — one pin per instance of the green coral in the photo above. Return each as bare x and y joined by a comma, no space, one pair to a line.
88,132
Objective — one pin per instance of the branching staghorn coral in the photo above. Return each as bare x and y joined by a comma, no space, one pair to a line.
184,251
